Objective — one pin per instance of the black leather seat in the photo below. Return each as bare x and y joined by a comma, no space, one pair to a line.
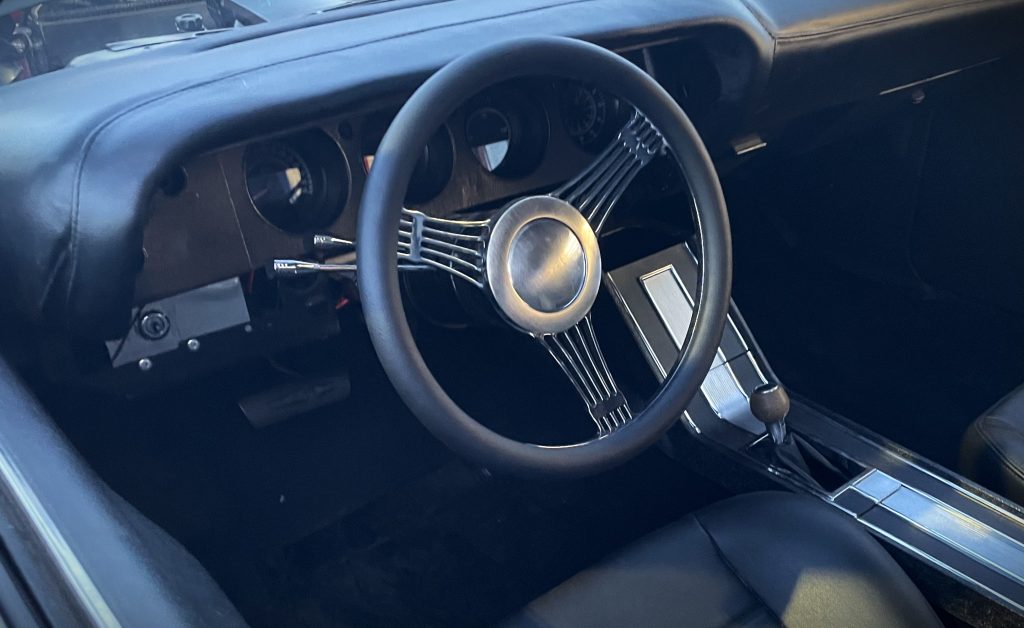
761,559
992,452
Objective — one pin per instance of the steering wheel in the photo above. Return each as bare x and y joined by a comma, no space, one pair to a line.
539,258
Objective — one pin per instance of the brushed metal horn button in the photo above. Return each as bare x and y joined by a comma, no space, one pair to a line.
547,265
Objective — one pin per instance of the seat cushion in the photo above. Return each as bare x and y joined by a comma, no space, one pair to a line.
992,452
761,559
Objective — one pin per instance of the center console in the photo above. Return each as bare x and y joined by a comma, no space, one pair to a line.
966,543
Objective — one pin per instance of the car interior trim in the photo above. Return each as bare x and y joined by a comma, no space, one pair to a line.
73,574
275,296
671,301
936,77
938,563
952,527
941,521
974,562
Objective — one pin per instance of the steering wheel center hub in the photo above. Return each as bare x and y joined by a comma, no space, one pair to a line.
547,265
543,264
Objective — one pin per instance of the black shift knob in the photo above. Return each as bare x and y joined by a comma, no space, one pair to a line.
769,403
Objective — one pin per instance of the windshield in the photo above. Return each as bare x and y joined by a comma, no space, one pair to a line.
40,37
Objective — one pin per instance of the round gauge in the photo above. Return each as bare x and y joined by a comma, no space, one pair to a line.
432,171
589,115
279,183
489,136
298,182
507,130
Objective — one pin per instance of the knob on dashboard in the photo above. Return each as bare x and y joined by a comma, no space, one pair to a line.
189,23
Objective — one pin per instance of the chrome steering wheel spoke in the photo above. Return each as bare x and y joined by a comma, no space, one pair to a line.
454,246
458,247
578,353
596,190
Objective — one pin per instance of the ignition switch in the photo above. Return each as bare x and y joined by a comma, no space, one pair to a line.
154,325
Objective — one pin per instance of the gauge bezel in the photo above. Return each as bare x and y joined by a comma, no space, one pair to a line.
330,179
614,117
529,128
427,182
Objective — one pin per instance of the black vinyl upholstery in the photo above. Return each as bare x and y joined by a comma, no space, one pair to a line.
992,452
131,566
760,559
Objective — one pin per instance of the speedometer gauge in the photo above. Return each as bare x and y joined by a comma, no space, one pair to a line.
489,135
506,130
590,116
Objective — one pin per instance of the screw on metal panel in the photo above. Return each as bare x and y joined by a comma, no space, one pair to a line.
917,96
192,344
145,364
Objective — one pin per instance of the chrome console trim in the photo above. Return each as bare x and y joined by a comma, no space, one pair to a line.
955,528
935,562
673,303
910,459
952,527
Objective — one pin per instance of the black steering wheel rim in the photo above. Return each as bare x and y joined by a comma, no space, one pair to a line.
428,108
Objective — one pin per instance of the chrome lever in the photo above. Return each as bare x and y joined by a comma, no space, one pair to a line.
423,243
327,243
295,267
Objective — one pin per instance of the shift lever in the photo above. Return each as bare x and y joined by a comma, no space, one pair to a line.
769,404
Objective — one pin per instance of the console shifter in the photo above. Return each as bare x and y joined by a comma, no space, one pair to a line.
769,404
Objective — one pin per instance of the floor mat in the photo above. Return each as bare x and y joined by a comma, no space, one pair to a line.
457,548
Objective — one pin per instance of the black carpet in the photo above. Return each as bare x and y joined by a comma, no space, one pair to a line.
459,549
353,515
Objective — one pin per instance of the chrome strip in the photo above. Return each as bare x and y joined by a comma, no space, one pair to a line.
74,574
895,540
721,388
876,485
951,526
977,499
906,459
956,529
674,307
725,395
579,354
673,304
936,77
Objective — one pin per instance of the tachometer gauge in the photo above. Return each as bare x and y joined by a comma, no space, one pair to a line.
279,182
297,182
590,116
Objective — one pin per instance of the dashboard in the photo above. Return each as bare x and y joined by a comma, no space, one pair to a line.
234,209
151,175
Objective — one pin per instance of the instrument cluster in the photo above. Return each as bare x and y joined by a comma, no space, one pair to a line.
244,205
301,181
